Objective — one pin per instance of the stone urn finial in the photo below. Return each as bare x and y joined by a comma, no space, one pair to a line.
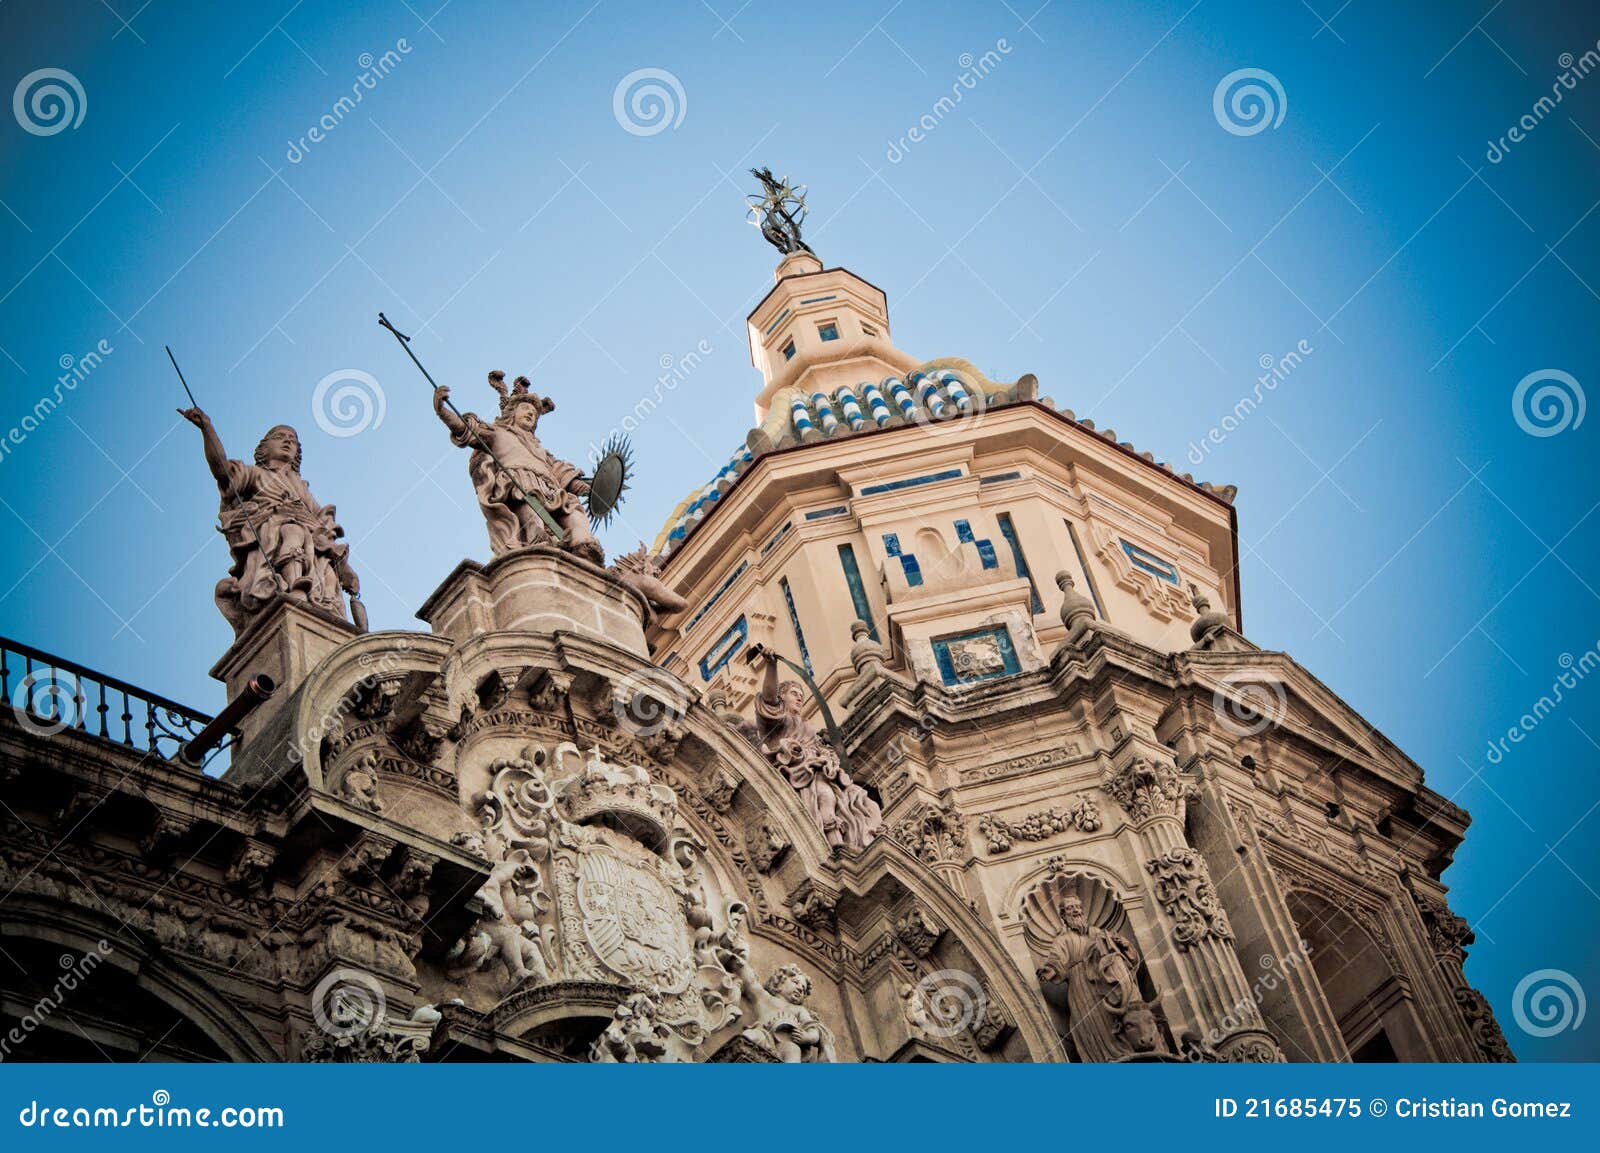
866,654
1075,607
1207,620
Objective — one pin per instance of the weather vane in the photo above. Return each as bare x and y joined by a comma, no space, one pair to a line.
778,211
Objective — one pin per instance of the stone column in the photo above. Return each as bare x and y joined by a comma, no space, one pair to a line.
1198,943
1448,936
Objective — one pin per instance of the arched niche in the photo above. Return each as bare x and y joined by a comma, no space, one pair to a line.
84,989
1043,926
1360,978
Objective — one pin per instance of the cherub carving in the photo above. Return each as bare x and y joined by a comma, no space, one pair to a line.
508,930
360,784
642,573
782,1023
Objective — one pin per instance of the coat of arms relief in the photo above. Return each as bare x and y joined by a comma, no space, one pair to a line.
594,880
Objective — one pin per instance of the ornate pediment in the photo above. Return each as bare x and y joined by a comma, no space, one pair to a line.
1255,693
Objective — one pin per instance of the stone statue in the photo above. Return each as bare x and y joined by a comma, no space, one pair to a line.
779,210
1099,970
508,931
781,1023
634,1036
642,573
525,471
848,816
283,542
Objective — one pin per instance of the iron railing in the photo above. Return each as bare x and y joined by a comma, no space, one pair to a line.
49,695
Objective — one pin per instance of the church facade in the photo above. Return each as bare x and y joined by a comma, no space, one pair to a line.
928,729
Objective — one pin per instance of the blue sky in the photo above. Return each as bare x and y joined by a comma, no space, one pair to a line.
1082,214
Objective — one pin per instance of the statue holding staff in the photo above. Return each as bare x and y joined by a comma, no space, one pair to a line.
284,543
522,489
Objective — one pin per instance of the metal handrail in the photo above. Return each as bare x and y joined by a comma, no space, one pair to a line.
55,694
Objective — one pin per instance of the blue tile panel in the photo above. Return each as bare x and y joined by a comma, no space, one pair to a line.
908,561
777,322
794,619
716,596
727,646
1009,531
998,477
911,482
1151,563
818,299
946,651
772,541
985,548
858,591
1083,563
825,513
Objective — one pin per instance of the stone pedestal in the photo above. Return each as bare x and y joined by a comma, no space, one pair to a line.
540,590
285,642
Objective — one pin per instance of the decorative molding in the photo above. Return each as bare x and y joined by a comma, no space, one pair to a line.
1184,888
1019,766
1146,789
934,834
1080,813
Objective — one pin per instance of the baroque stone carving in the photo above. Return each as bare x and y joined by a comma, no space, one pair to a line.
1183,886
359,785
1087,964
781,1023
813,906
1249,1047
765,843
719,789
848,816
510,468
1485,1030
593,881
1448,934
992,1026
394,1042
634,1036
251,867
933,834
1079,813
283,542
918,931
1146,788
642,573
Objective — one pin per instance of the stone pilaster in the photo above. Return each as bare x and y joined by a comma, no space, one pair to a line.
1197,945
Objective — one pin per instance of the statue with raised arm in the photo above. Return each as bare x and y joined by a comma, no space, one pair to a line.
522,489
283,542
780,1022
847,814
